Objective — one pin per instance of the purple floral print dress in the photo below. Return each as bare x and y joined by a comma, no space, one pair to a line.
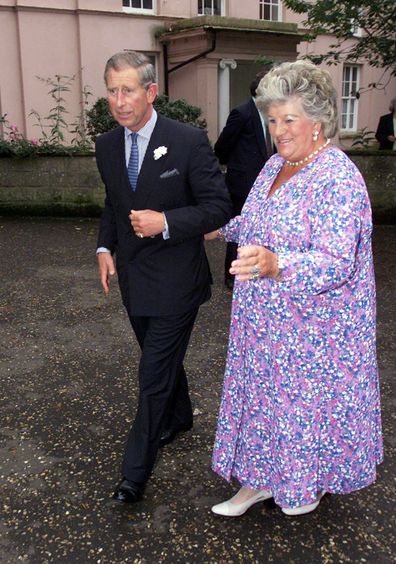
300,410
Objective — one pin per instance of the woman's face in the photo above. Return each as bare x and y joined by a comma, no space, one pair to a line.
292,131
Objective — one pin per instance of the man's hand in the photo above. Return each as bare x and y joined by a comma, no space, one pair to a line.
147,223
106,268
212,235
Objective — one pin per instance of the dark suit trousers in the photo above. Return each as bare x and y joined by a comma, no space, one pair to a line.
163,390
232,248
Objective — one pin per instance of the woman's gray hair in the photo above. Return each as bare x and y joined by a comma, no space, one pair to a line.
135,60
312,85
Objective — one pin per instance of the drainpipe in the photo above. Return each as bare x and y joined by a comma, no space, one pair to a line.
184,63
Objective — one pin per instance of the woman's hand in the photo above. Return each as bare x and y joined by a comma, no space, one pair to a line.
253,262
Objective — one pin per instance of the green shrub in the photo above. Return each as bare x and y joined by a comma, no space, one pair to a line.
14,144
180,110
86,127
99,119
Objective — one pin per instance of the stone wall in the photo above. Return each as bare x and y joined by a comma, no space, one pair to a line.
71,186
379,172
60,186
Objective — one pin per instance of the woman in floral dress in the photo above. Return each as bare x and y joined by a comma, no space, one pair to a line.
300,410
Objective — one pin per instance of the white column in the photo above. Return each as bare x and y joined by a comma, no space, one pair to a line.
224,89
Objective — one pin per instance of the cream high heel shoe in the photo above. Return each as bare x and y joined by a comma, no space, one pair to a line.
229,509
303,509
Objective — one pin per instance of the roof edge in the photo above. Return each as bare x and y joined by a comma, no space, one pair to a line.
225,23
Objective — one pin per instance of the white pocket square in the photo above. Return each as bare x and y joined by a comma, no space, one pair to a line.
169,173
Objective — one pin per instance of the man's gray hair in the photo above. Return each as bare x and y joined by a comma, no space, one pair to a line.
307,82
135,60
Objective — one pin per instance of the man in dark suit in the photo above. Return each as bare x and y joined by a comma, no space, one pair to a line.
244,148
386,129
164,191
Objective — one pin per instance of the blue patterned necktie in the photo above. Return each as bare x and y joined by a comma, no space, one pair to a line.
133,163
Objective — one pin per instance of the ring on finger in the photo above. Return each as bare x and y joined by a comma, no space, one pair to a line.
255,271
140,235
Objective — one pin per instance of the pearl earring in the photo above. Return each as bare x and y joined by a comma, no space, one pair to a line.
315,135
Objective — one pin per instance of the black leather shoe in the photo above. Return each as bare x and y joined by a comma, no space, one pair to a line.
128,492
170,434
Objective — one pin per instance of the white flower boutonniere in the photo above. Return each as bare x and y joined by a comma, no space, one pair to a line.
160,152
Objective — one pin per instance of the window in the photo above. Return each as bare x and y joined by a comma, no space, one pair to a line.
209,7
138,5
270,10
355,29
350,86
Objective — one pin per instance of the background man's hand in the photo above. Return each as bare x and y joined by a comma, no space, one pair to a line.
147,223
106,269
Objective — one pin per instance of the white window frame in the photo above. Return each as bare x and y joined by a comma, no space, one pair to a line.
349,102
272,4
130,10
202,13
356,30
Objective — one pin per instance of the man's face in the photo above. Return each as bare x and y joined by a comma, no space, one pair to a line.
130,104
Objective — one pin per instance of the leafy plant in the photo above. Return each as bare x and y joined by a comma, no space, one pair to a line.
53,127
55,121
86,127
100,120
180,110
79,127
370,22
14,144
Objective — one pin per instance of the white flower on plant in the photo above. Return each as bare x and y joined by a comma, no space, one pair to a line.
160,152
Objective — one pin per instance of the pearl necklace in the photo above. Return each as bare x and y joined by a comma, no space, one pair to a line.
311,156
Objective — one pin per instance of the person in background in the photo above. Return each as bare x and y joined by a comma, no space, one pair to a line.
386,129
300,410
244,146
164,190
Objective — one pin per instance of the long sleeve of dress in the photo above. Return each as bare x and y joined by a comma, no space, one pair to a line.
336,231
230,232
314,222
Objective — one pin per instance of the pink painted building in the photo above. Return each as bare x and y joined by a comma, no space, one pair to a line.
205,51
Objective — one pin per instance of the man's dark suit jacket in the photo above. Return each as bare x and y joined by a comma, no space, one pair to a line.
241,146
160,277
385,128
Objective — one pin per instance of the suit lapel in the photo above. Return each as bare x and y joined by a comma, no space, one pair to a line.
117,152
151,168
258,129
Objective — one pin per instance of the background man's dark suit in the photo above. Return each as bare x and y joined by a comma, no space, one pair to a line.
384,129
165,280
242,147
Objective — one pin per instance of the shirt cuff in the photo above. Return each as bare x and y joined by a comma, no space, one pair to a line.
102,250
165,233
